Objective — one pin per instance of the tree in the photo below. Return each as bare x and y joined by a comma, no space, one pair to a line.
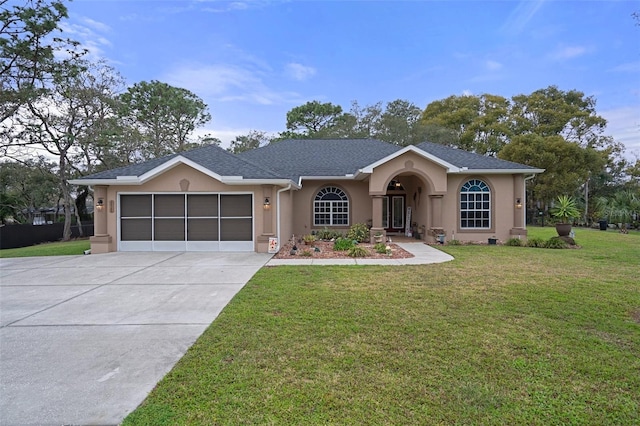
480,122
313,119
64,122
254,139
400,124
165,116
567,165
552,111
26,187
27,49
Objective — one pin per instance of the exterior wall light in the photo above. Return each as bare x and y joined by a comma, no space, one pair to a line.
518,203
267,204
100,204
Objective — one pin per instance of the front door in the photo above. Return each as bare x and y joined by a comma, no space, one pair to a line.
393,213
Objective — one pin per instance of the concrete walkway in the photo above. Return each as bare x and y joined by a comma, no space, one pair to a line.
423,254
84,339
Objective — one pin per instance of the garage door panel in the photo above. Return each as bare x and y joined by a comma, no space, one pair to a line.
168,230
236,230
168,205
135,205
135,229
202,205
202,230
236,205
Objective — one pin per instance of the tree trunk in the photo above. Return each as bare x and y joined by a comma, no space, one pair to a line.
66,198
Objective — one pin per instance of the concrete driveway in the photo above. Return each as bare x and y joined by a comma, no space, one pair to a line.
84,339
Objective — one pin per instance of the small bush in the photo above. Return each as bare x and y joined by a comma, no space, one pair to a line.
555,243
309,238
358,251
306,253
358,232
380,248
454,243
536,242
343,244
513,242
328,234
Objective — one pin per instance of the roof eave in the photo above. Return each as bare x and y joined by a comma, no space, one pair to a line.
496,171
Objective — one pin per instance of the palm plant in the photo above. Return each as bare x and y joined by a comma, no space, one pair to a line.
620,208
565,210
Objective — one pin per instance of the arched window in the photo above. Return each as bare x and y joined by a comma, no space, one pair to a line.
475,205
331,207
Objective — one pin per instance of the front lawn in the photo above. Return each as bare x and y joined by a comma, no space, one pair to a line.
502,335
49,249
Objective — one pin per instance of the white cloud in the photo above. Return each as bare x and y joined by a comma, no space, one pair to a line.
493,65
467,92
521,15
225,82
98,26
299,72
628,67
624,125
569,52
87,32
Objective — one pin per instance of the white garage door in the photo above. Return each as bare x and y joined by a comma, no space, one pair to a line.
185,222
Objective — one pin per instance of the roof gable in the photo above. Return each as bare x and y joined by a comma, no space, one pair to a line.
211,160
411,148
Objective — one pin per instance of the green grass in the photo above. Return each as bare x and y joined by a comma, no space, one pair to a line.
48,249
502,335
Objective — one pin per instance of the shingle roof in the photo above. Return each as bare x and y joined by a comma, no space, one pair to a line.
293,158
461,158
211,157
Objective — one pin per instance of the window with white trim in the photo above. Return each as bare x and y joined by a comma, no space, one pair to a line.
331,207
475,205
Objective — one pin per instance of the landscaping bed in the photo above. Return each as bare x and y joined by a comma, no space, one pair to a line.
326,251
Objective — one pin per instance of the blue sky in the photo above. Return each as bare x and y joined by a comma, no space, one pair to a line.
252,61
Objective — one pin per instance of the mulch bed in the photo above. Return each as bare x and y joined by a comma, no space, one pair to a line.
327,252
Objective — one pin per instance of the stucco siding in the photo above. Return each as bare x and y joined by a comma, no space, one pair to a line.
359,204
502,208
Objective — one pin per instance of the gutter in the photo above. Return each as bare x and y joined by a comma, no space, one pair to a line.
287,188
524,211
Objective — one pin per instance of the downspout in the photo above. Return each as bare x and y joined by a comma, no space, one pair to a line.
278,215
524,211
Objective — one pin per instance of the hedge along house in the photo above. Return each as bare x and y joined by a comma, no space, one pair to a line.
209,199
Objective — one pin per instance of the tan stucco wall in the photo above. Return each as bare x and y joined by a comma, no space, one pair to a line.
170,181
286,215
302,212
409,163
503,210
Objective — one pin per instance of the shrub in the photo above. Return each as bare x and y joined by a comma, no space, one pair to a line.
309,238
328,234
454,243
306,253
555,243
358,251
513,242
343,244
358,232
380,248
536,242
